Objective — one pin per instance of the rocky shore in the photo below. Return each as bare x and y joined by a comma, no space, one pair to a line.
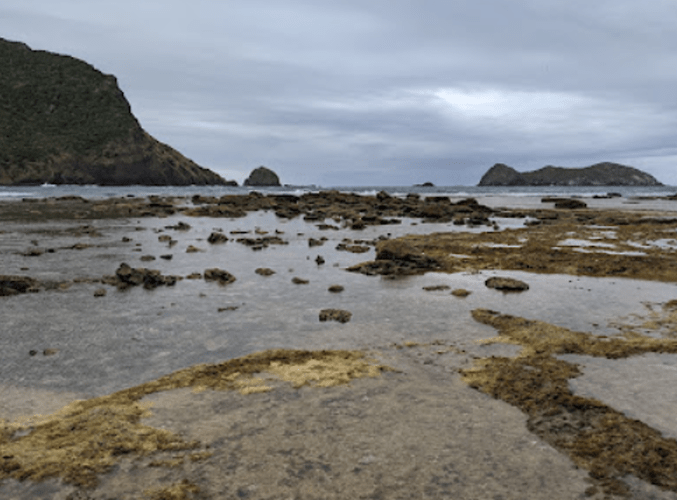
359,354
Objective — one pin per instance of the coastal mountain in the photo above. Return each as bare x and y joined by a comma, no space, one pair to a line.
600,174
64,122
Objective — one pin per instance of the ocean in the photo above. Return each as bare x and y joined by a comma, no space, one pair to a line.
91,191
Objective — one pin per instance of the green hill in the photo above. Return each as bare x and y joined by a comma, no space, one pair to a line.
63,121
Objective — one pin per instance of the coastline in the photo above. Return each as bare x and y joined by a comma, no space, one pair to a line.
417,431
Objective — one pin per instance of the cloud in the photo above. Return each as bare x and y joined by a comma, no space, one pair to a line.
363,92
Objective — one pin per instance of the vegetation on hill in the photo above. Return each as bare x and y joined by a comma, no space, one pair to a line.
63,121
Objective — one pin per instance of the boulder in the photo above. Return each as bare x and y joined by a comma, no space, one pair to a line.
262,176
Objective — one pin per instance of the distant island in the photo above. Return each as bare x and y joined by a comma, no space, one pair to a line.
600,174
64,122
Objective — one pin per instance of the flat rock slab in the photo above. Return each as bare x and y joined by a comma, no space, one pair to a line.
506,284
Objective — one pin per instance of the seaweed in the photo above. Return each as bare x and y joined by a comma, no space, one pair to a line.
595,436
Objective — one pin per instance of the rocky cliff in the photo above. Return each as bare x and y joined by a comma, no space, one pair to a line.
600,174
64,122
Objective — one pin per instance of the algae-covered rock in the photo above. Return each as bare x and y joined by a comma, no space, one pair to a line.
65,122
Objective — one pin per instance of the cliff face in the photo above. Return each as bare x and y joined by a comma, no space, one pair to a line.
600,174
62,121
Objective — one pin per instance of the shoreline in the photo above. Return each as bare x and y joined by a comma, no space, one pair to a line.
393,320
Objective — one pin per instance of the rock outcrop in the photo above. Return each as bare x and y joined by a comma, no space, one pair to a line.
65,122
262,176
600,174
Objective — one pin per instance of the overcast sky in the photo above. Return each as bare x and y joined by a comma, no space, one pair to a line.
377,92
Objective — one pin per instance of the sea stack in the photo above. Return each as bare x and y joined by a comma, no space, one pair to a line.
262,176
65,122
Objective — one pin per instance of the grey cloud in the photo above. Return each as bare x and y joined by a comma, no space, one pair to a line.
350,92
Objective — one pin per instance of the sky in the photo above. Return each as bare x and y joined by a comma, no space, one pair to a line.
397,92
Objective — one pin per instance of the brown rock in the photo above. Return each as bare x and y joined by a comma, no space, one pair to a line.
336,289
264,271
216,238
13,285
101,292
126,276
460,292
299,281
506,284
335,315
219,275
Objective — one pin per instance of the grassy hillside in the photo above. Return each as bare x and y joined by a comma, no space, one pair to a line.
62,120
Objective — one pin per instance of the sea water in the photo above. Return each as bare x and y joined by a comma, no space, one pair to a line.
133,336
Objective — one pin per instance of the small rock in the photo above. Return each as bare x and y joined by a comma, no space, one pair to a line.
506,284
299,281
101,292
336,289
165,238
436,288
319,260
460,292
147,258
312,242
194,276
219,275
167,257
335,315
181,226
264,271
33,252
216,238
192,249
49,352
